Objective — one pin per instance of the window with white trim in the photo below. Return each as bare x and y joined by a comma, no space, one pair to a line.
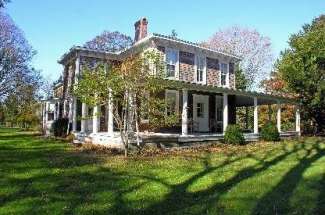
200,110
224,74
200,69
171,63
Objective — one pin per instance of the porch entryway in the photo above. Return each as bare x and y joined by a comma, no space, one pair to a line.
201,113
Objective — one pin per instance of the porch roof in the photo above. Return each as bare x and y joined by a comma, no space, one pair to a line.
243,98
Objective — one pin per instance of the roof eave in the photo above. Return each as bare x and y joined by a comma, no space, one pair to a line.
75,49
176,40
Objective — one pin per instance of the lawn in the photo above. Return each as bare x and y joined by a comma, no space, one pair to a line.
42,176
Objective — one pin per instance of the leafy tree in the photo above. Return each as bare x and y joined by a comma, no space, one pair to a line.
19,82
110,41
241,80
21,103
254,49
3,3
302,67
15,55
275,85
133,85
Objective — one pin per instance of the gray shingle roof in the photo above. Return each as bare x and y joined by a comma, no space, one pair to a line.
154,35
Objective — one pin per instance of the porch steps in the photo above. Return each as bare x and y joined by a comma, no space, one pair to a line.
80,138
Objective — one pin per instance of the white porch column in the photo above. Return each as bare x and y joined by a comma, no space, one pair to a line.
83,117
278,116
225,112
95,119
44,115
110,126
184,113
298,121
255,116
74,114
76,75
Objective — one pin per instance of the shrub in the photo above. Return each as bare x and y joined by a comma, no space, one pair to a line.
234,135
59,127
70,138
269,132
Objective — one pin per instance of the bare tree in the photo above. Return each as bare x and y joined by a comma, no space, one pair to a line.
110,41
254,49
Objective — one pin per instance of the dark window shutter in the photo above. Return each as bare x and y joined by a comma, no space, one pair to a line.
212,63
161,48
186,57
231,68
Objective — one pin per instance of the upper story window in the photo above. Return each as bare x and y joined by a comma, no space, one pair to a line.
171,63
224,74
200,69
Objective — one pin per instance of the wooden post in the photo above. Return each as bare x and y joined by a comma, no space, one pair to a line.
298,121
255,116
184,113
278,116
110,126
225,112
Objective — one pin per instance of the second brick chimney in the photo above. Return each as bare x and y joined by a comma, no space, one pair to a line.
141,29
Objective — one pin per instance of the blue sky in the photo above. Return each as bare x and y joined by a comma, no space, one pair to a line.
52,27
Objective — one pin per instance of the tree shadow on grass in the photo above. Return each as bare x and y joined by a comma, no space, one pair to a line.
277,200
320,206
52,180
180,199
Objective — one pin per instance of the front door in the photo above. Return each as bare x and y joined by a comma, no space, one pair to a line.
201,113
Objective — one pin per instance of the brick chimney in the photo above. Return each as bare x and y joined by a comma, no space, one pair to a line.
141,29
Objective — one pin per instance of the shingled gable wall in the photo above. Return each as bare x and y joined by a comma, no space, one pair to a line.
187,67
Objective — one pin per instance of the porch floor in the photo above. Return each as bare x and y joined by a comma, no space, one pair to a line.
104,138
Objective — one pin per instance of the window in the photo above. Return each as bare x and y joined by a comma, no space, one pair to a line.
171,62
172,97
200,110
224,74
200,69
50,116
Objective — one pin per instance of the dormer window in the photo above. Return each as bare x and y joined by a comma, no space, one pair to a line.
200,69
171,63
224,74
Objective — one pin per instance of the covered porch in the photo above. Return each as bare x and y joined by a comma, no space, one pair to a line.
205,112
210,110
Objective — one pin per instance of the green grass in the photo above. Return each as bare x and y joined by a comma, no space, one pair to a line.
41,176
